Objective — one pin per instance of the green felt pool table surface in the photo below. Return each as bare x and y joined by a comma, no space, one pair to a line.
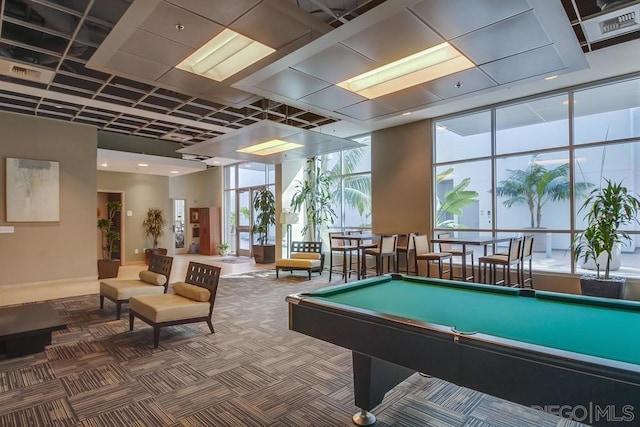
591,326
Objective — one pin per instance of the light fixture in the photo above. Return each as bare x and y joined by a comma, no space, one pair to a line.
421,67
269,147
104,164
143,165
224,55
551,77
407,113
174,171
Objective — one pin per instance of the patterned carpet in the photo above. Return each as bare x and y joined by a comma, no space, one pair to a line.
252,372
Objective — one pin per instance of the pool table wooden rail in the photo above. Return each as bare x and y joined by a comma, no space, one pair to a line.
388,349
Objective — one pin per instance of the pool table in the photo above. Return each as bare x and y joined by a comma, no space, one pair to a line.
577,357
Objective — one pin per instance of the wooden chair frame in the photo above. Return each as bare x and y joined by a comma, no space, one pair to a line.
305,247
160,264
203,275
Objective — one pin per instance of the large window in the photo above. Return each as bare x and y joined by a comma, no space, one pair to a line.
351,183
526,168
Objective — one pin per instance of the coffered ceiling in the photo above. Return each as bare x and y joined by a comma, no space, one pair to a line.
112,64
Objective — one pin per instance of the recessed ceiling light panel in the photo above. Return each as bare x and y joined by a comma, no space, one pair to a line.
421,67
225,55
270,147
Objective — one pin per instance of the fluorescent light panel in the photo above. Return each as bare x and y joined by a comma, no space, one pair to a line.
270,147
224,55
421,67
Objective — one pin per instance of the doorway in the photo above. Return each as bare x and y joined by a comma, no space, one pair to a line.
102,198
179,226
244,237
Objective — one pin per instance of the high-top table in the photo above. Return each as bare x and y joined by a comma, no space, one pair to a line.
474,241
26,329
360,239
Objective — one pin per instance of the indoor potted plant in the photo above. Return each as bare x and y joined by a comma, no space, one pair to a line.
108,266
223,248
264,203
153,227
607,209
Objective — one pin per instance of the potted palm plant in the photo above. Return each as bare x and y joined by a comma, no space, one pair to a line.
108,266
608,209
264,203
153,226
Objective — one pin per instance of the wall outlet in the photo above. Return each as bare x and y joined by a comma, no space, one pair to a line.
135,251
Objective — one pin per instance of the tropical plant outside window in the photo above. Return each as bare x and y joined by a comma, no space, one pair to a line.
536,186
536,175
454,201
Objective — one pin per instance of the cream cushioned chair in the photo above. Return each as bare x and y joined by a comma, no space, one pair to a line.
154,280
192,301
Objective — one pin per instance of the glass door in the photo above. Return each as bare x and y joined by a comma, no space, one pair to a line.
179,226
244,236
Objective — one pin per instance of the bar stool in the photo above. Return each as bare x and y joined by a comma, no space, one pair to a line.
406,246
386,249
361,245
423,253
344,247
527,255
507,261
453,249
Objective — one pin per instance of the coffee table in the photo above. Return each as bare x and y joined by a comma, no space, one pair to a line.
26,329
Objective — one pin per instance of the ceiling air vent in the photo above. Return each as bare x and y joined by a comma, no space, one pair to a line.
612,24
25,72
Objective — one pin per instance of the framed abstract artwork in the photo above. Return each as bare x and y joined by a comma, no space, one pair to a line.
33,190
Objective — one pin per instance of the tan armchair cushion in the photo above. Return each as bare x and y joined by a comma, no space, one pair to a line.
306,255
196,293
152,278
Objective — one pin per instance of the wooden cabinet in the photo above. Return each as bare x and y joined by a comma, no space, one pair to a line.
209,219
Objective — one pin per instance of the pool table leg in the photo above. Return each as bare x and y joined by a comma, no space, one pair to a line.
372,379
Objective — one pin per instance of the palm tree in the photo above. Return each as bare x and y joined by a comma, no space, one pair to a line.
314,192
357,189
535,186
453,200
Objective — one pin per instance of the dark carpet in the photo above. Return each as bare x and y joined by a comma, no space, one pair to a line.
252,372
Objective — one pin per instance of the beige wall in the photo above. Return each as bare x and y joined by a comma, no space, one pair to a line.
200,189
401,178
139,193
42,252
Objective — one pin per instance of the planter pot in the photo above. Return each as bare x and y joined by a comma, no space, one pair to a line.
224,252
264,254
108,268
594,287
153,251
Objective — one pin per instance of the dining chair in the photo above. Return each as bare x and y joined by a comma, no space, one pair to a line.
361,246
457,251
526,257
508,260
424,253
405,247
386,248
345,248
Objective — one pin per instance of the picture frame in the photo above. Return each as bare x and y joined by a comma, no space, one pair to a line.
32,190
